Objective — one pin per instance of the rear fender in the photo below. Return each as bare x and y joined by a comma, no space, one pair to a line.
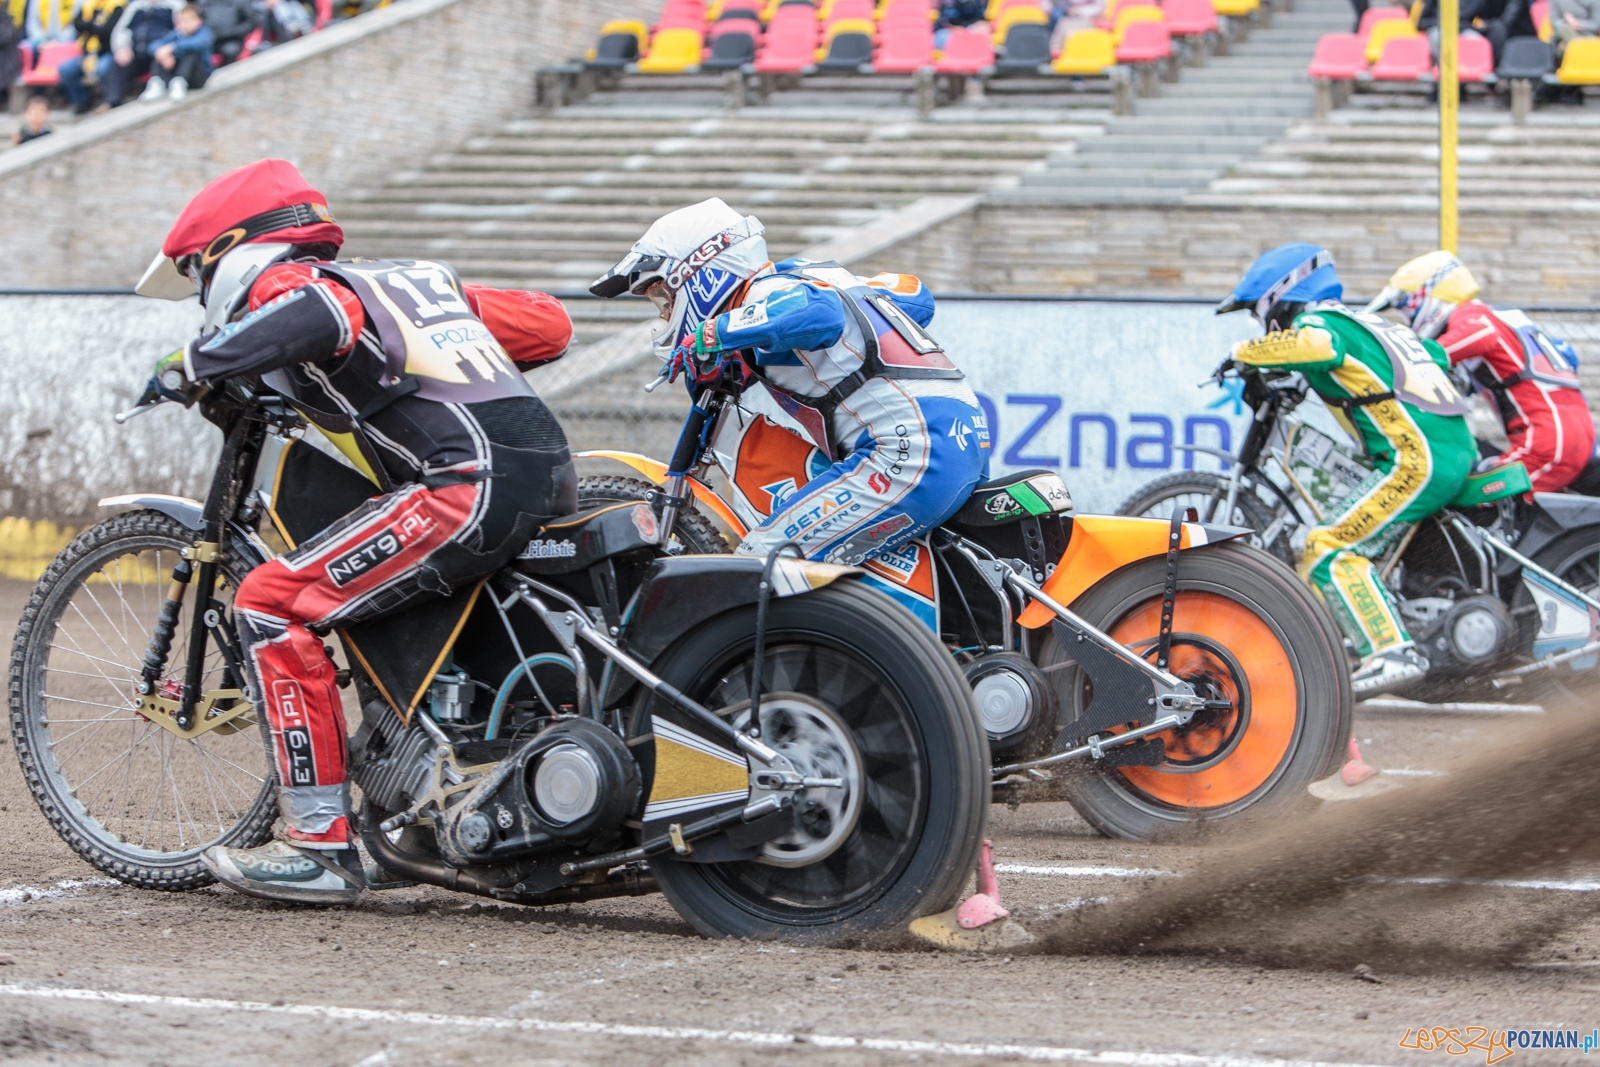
680,593
656,471
1101,544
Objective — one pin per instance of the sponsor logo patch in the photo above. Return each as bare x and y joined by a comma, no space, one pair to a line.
879,482
748,317
302,768
539,548
379,548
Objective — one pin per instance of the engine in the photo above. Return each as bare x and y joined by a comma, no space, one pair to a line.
572,783
392,763
1466,636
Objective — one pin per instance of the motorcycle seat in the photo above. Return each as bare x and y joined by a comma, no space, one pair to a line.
1014,497
576,542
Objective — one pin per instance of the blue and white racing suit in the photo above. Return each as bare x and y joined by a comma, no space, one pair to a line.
907,435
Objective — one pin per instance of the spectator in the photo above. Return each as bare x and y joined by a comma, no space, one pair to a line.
143,22
283,20
10,58
182,59
962,12
94,21
35,121
230,22
1574,18
49,20
1498,20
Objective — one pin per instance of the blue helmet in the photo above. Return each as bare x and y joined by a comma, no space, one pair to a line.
1289,274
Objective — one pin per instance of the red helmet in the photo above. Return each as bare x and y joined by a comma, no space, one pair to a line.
268,201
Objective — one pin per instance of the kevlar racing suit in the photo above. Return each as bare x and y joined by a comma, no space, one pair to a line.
908,439
416,379
1534,384
1390,391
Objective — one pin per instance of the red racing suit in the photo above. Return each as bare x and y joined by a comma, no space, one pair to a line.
1536,394
466,461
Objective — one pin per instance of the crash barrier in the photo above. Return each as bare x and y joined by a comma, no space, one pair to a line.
758,46
1109,391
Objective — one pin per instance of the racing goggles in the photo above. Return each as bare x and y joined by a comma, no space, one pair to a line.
1284,285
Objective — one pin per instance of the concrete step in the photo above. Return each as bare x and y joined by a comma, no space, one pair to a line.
1228,125
1114,177
1170,147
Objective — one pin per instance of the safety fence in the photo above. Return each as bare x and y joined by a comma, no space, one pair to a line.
1104,389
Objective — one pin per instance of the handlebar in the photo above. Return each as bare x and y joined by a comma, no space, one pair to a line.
135,412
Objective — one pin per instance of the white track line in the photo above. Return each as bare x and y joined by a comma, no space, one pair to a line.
1078,872
22,893
673,1033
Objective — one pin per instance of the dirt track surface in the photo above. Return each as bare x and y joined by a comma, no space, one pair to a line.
1228,972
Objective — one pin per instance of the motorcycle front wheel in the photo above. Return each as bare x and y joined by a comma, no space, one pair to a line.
855,688
1245,630
1208,495
133,799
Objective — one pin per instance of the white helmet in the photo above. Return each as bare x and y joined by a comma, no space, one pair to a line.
689,262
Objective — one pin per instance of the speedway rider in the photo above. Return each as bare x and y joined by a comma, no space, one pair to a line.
1391,391
416,378
908,439
1532,377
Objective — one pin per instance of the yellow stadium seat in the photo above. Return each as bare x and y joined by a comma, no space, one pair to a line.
1581,63
1416,13
1017,16
1544,29
1108,14
1086,52
673,52
638,29
1236,9
1136,13
1383,32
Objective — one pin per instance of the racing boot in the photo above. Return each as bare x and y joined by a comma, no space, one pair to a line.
1387,671
280,870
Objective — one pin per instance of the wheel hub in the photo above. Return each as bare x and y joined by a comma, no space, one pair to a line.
814,739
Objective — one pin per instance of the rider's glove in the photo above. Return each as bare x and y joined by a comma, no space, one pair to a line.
171,381
697,356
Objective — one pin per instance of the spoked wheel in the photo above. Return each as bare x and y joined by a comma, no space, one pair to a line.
1207,494
1247,632
856,689
1575,559
130,796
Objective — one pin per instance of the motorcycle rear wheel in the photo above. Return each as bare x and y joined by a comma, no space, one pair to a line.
132,799
920,752
1207,494
1246,629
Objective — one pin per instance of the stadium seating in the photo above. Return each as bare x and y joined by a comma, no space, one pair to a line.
1526,58
674,50
731,50
1374,15
997,7
1404,59
1107,19
1027,48
838,10
1580,64
1339,57
1131,15
1385,31
681,15
790,43
1474,60
908,46
965,52
1087,52
739,22
621,43
1016,15
1236,9
846,45
1144,42
1189,18
1540,13
43,71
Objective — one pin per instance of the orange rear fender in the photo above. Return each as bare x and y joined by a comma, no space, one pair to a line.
656,471
1101,544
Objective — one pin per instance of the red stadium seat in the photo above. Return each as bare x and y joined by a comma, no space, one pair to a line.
1474,59
1144,42
791,42
740,24
47,62
1378,14
1107,19
966,52
1190,18
1338,56
1404,59
681,15
848,9
904,47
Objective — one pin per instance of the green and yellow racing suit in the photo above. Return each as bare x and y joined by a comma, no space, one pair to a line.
1390,391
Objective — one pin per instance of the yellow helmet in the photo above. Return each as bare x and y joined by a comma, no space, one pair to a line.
1427,290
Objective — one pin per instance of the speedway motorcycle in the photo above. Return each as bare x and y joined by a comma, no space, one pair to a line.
776,747
1500,591
1156,673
